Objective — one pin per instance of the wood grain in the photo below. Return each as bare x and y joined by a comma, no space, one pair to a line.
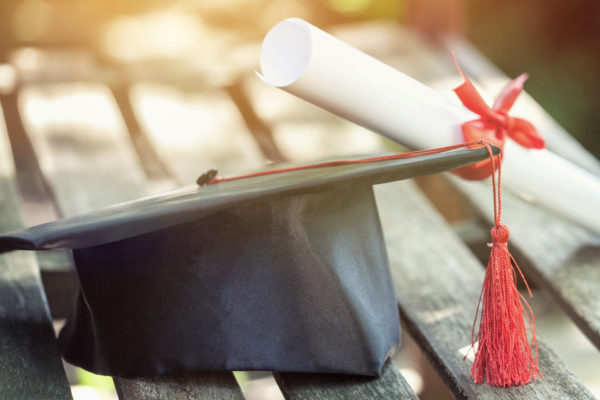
193,132
38,206
437,282
262,133
390,385
153,167
208,386
82,146
30,366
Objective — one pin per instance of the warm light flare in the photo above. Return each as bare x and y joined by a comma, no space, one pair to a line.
206,128
167,34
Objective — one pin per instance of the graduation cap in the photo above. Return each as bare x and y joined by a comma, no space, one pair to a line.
280,272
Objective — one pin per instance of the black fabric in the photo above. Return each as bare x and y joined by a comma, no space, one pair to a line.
298,283
283,272
179,206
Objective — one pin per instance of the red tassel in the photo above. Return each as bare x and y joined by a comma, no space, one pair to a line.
503,357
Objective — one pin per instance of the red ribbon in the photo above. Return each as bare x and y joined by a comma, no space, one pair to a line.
494,124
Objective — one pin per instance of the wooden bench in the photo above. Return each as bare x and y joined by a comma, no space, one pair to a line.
30,366
69,168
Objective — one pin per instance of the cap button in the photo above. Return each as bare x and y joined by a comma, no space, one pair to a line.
207,176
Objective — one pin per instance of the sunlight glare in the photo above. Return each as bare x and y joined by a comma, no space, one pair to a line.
161,34
6,160
204,127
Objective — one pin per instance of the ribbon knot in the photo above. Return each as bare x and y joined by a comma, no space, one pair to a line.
505,122
494,123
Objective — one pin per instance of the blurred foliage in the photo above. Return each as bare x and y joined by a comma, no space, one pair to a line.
558,43
241,377
100,382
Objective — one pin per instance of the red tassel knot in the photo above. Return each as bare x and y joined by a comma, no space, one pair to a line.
500,235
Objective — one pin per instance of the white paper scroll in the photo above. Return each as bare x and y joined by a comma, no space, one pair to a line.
315,66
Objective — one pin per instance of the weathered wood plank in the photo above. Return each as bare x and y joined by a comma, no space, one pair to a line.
263,134
390,385
561,256
438,281
150,161
30,366
81,145
89,161
38,207
193,132
304,132
35,193
208,386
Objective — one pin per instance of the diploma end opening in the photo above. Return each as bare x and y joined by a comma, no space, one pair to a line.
285,52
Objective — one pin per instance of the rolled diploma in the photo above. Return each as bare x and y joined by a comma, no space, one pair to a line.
315,66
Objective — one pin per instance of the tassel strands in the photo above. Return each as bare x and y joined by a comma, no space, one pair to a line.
504,354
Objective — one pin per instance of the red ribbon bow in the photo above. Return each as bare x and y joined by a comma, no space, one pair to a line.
494,124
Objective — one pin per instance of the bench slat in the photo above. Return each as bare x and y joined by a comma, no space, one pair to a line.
192,133
30,366
208,386
81,145
390,385
438,281
37,203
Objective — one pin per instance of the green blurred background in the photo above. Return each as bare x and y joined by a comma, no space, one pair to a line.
558,43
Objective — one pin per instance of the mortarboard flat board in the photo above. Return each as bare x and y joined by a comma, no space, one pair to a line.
281,272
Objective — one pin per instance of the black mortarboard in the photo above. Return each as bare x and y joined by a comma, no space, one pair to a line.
280,272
